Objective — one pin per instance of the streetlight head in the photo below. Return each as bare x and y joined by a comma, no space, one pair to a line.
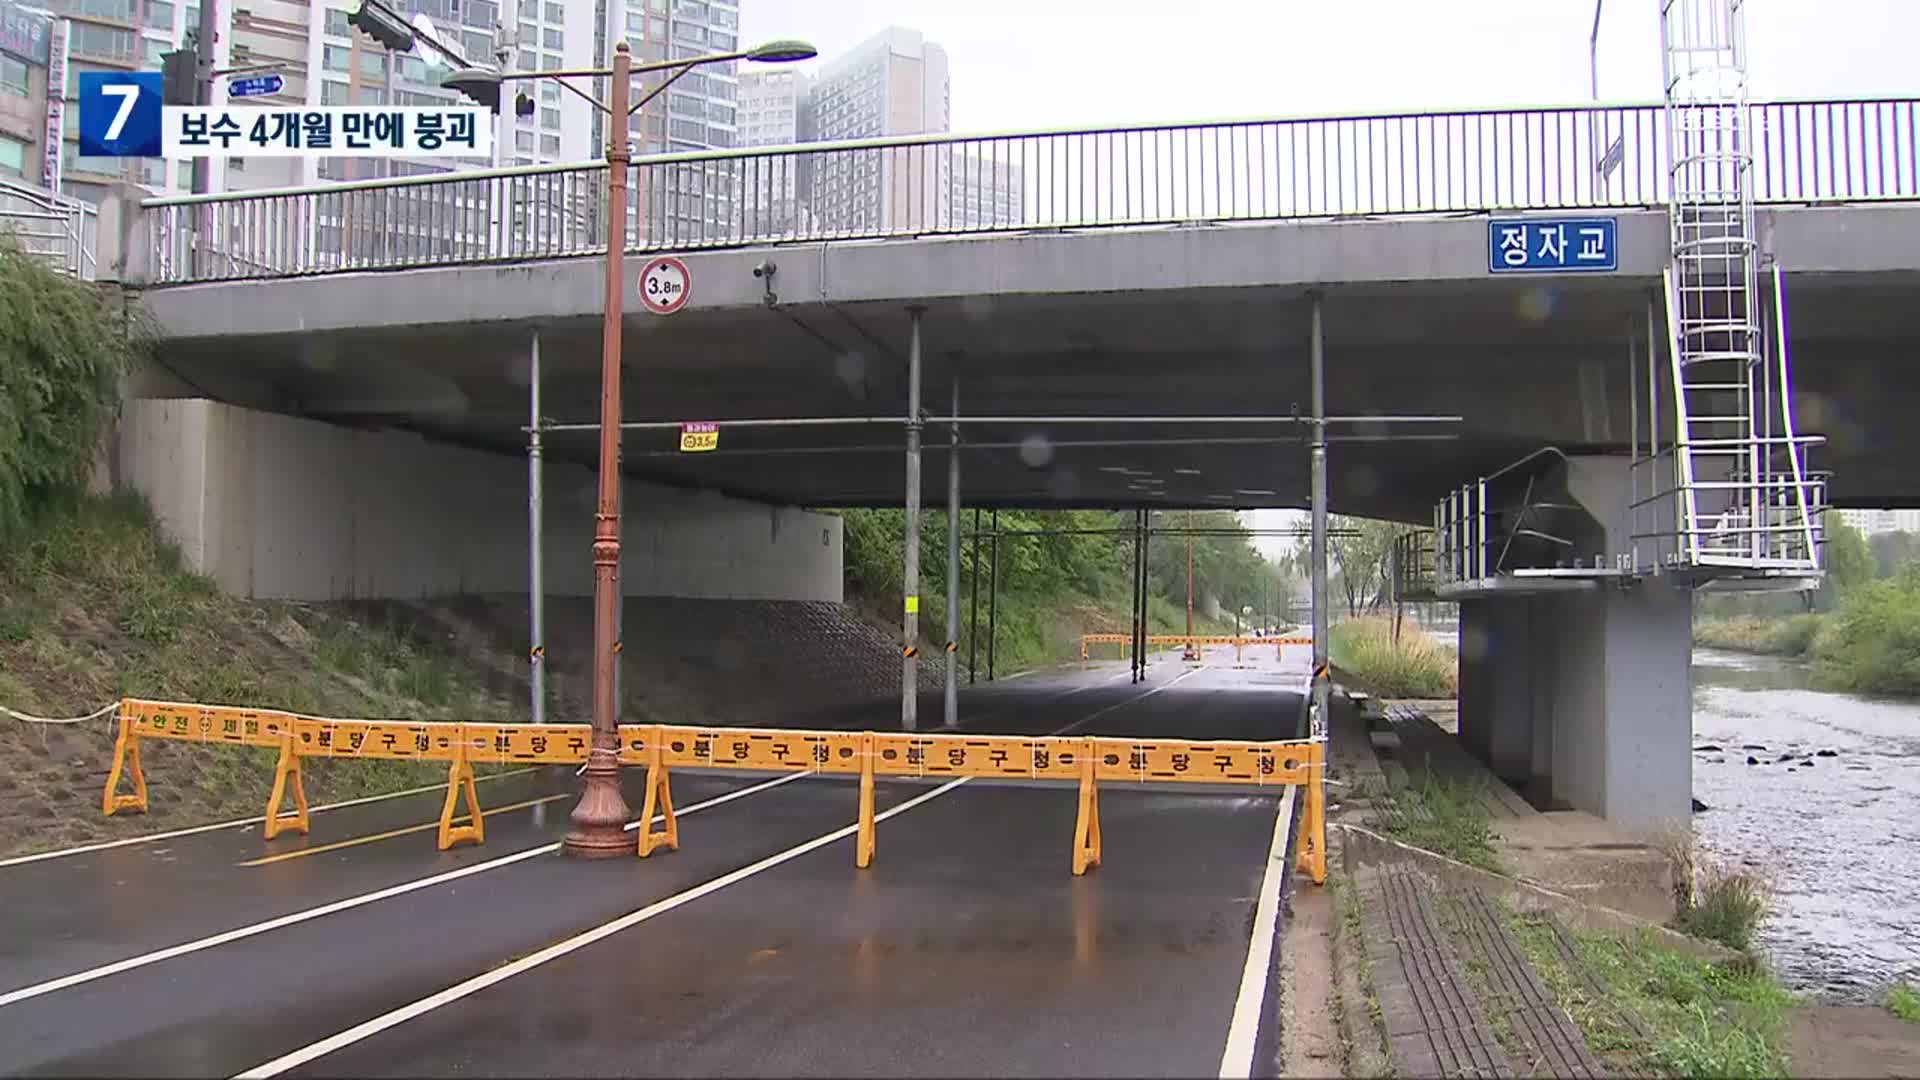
480,84
784,51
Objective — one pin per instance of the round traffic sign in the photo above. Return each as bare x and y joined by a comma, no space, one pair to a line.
665,285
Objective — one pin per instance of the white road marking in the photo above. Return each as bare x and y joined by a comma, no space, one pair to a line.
61,853
349,903
1091,717
553,952
1237,1060
474,985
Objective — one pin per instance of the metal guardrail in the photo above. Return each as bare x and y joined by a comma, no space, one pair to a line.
1550,158
65,232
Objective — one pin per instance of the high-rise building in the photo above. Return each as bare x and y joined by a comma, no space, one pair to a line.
988,193
687,202
1874,522
775,110
26,41
894,83
324,61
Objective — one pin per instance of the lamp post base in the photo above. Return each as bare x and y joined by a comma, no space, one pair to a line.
600,818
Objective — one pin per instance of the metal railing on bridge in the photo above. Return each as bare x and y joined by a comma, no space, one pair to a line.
65,232
1553,158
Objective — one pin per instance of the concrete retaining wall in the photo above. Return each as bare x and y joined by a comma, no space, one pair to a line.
277,507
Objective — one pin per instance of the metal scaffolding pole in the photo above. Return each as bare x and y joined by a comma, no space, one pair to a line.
536,547
993,594
951,704
910,630
1133,605
973,584
1146,549
1321,680
536,560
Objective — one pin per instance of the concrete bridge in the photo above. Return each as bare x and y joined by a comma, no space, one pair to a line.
1149,273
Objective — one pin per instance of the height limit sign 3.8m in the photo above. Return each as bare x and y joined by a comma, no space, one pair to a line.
665,285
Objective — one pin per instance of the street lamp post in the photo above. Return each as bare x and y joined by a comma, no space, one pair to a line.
599,819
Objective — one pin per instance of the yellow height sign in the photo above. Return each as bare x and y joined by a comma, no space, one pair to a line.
697,437
664,747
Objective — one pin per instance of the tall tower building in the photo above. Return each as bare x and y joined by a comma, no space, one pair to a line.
988,193
894,83
326,62
682,203
775,110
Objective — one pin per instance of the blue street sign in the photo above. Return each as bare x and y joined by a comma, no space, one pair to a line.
120,114
1552,245
255,86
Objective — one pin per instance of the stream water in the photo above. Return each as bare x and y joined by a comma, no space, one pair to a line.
1830,806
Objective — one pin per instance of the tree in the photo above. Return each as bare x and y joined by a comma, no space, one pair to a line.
1850,562
1357,557
1893,551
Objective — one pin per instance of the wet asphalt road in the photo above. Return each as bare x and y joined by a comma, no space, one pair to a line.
967,948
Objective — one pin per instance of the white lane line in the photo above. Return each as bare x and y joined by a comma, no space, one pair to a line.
351,902
1091,717
1237,1060
60,853
555,951
454,993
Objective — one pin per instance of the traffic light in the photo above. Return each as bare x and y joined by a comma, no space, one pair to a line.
382,26
178,82
522,104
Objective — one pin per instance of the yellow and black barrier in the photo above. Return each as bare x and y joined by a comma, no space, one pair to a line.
661,748
1278,643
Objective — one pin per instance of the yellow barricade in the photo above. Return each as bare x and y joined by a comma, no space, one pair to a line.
661,748
1196,639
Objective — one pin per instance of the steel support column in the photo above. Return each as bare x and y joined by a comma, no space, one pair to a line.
1133,601
910,629
1321,675
536,547
973,585
993,593
951,717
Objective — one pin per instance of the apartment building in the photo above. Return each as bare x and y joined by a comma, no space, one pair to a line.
776,110
324,61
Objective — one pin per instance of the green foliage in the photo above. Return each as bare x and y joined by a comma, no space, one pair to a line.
1790,636
1444,815
63,347
1873,642
1706,1019
1903,1001
1057,586
1728,906
1892,551
1850,563
1415,666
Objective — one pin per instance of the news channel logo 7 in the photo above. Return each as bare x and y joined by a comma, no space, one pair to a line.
120,114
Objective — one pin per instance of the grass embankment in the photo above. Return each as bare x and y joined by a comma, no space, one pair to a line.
94,605
1414,667
1790,636
1869,645
1696,1017
1445,816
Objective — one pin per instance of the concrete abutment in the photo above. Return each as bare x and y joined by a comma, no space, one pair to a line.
285,508
1583,698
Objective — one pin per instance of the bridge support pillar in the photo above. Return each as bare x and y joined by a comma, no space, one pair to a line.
1584,699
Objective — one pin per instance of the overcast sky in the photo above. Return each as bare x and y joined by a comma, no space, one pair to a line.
1039,63
1019,64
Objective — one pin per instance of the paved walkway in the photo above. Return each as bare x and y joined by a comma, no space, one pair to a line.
967,948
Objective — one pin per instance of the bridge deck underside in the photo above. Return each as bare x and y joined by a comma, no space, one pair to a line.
1524,362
